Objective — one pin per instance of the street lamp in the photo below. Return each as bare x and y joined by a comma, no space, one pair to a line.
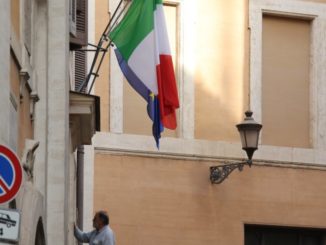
249,133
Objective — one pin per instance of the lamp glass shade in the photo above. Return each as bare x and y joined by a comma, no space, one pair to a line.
249,138
249,133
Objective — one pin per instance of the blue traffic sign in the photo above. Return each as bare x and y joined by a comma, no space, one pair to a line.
10,174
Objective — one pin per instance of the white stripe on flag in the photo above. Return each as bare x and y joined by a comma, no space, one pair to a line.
161,31
142,62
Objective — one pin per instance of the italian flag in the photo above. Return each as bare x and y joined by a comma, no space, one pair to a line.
143,52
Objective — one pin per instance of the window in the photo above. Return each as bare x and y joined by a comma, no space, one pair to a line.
15,17
14,105
179,13
308,18
286,81
78,23
268,235
78,14
28,25
80,69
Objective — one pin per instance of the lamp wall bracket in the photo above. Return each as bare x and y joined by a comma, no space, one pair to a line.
219,173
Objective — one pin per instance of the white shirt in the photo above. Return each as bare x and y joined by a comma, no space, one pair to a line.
105,236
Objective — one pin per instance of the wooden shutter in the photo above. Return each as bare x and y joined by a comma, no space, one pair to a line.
80,39
72,17
80,69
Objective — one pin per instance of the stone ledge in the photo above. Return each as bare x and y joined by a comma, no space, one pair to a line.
204,149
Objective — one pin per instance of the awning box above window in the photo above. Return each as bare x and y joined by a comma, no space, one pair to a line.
84,118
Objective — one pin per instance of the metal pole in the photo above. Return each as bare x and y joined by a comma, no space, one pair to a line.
80,187
99,48
105,49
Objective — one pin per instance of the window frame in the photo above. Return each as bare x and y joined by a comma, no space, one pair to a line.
186,84
299,232
315,12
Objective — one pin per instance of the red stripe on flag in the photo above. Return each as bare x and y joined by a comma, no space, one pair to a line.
167,92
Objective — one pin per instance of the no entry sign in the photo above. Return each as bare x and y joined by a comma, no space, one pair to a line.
10,174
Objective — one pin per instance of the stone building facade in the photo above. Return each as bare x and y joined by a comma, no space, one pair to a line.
43,116
230,56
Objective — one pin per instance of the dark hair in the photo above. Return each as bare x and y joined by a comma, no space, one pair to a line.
104,217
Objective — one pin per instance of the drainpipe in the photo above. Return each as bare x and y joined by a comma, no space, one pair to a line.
80,187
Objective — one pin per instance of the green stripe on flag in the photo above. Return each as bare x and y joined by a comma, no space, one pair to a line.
158,2
137,23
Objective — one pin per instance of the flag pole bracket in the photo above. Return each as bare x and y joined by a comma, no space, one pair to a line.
101,49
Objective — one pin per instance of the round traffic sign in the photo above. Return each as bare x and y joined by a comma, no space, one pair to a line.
10,174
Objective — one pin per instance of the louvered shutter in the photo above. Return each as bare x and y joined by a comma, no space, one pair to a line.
72,17
81,25
80,69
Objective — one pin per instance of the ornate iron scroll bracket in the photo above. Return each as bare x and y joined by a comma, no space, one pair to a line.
219,173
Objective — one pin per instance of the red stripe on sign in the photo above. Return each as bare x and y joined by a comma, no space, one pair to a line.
3,186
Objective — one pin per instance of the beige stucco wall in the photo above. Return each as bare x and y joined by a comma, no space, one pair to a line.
166,201
221,94
159,199
220,76
164,196
102,82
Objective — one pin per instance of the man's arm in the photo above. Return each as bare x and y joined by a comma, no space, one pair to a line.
81,236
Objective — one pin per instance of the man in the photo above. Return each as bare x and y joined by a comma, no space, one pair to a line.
101,235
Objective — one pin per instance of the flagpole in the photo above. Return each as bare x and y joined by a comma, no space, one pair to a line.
103,38
106,48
